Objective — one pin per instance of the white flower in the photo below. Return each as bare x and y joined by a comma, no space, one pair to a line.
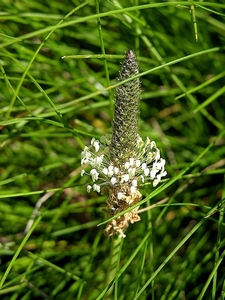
146,166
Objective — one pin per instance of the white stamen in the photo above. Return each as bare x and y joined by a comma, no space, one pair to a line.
119,196
147,142
110,172
146,171
96,188
134,182
153,145
94,174
97,146
105,171
116,170
89,187
153,173
143,166
99,159
138,163
126,177
113,180
122,234
132,171
132,189
131,161
127,165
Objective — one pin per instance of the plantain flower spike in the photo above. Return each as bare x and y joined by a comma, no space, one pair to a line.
123,160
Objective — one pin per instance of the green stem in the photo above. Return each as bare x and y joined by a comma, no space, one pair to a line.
117,243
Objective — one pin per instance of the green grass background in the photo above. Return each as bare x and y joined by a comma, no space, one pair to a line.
50,108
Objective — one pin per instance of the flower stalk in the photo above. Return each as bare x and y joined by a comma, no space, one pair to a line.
123,161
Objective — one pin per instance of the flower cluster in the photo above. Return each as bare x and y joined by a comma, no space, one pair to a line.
148,165
122,180
123,160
